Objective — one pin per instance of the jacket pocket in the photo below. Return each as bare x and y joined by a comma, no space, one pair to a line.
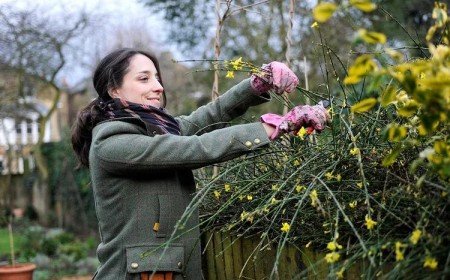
157,257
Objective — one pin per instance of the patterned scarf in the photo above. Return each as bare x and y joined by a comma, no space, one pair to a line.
117,108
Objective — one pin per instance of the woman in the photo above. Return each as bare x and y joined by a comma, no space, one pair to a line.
140,159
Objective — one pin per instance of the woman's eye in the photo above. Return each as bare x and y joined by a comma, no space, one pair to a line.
144,79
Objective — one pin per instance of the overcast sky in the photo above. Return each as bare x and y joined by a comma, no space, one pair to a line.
115,14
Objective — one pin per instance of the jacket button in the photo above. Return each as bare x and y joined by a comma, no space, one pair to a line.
248,144
257,141
134,265
180,265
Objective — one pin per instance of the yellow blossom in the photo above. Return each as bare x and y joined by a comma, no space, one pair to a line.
217,194
237,63
302,132
227,187
415,236
355,151
275,187
399,251
329,176
332,257
245,216
340,273
338,177
315,24
296,162
285,227
359,185
230,75
333,246
249,197
353,204
241,197
273,200
314,197
300,188
370,224
430,262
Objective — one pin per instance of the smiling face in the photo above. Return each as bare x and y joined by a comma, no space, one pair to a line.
141,83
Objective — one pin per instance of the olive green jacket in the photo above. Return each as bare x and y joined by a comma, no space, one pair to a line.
142,182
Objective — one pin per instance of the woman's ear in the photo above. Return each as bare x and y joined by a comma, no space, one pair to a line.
113,93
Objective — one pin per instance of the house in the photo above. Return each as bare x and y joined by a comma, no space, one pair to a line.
23,102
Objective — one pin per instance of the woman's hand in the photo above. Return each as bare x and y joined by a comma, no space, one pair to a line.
311,117
274,76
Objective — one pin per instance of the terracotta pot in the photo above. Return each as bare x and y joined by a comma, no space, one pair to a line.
21,271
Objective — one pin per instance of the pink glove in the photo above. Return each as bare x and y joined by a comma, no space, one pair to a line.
276,76
311,117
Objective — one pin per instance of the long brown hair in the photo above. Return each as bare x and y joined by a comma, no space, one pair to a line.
107,76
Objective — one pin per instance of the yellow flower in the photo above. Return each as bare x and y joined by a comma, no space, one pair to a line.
340,273
285,227
415,236
333,246
249,197
430,262
230,75
302,132
353,204
274,200
314,197
227,187
338,177
329,176
237,63
332,257
315,24
217,194
355,151
296,162
241,197
359,185
399,251
245,216
370,224
300,188
275,187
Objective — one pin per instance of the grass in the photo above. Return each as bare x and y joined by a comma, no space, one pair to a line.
4,241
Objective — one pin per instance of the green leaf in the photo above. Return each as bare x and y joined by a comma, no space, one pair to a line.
363,5
409,109
362,66
388,96
364,105
440,14
396,132
324,11
372,37
391,157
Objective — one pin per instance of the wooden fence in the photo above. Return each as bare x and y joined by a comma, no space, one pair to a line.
229,257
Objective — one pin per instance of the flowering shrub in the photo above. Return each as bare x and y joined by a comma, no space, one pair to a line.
377,181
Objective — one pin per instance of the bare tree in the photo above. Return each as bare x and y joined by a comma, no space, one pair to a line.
35,45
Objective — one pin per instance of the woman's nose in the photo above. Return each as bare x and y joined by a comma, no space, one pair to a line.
157,87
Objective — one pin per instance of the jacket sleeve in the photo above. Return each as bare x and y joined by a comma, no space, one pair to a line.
218,113
122,147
